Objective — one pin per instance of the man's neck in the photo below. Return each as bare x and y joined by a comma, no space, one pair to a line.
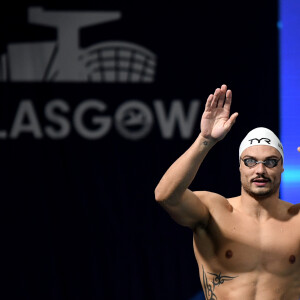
259,208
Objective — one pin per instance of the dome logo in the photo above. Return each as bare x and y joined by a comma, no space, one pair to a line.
64,61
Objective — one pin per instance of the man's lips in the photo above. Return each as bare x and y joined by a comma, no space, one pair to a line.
260,181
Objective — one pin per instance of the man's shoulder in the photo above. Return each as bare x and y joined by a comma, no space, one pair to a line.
292,208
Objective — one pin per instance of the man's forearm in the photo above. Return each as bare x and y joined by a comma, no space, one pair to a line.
215,124
182,172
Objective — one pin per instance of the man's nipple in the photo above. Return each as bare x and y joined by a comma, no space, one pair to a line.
228,254
292,259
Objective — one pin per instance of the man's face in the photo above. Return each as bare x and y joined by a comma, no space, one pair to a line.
260,181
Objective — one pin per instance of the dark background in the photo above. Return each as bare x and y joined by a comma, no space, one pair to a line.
80,217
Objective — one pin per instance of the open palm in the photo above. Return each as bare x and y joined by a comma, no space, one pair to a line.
215,122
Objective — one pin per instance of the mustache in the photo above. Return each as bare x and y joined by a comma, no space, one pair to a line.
260,177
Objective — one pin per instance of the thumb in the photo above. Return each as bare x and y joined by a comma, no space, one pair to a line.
232,120
298,149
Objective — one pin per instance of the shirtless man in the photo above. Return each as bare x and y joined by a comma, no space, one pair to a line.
247,247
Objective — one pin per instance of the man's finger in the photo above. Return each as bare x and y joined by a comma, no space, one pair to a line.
228,100
298,149
208,102
222,95
231,120
216,98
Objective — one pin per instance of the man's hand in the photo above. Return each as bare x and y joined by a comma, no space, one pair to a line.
298,149
215,122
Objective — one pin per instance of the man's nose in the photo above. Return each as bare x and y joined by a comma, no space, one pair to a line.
260,168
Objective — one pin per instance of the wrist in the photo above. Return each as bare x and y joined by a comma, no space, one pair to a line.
206,141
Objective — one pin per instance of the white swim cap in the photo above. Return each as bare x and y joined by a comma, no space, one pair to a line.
261,136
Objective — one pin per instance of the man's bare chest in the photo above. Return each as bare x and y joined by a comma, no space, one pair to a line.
238,244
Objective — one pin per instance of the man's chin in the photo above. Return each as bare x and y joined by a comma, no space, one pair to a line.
260,194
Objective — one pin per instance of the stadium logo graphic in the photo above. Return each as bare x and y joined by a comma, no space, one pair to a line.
64,61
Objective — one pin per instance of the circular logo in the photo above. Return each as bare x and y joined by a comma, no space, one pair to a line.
133,120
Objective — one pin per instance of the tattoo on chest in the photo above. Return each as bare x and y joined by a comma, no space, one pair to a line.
209,288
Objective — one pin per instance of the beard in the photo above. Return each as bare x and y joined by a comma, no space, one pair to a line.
261,193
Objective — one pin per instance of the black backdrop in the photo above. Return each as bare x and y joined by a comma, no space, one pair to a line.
80,217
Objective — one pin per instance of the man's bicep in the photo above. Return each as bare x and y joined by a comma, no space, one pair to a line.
190,210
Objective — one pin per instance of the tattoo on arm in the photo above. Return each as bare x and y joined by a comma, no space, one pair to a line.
209,288
205,143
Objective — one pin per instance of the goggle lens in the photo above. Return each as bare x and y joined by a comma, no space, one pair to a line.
269,163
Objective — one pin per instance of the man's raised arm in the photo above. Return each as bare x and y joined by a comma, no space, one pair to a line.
184,206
